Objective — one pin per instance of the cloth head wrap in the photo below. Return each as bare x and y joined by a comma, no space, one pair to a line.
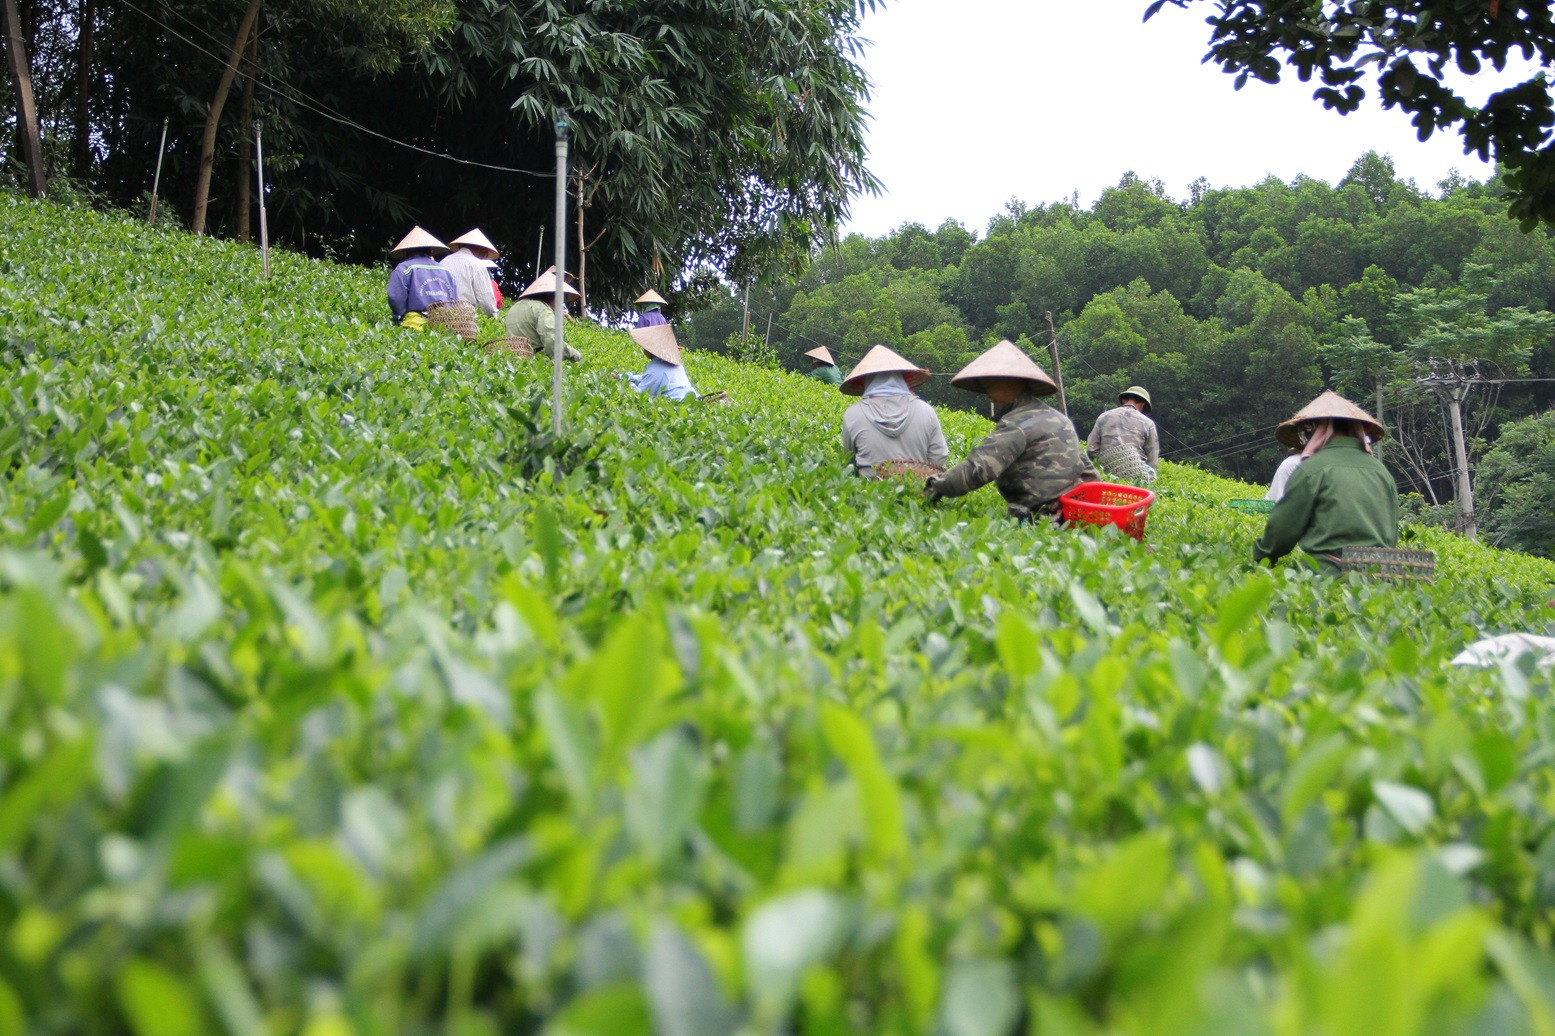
890,383
1323,431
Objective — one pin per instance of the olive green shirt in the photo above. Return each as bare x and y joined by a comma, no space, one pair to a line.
535,320
1033,456
825,372
1340,496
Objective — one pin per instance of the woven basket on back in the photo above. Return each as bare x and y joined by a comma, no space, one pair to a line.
1123,463
1388,563
515,345
456,315
906,469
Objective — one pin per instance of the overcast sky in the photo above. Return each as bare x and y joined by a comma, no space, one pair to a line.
980,100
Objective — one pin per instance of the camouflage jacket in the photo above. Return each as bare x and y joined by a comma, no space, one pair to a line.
1032,455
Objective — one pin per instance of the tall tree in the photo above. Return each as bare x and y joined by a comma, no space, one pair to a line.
26,107
1517,477
229,71
391,27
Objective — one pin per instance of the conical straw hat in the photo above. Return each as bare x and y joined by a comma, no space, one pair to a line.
1330,406
881,360
1004,360
823,354
545,284
651,296
475,239
417,238
659,342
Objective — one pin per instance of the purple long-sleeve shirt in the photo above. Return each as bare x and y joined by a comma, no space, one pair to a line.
650,318
418,282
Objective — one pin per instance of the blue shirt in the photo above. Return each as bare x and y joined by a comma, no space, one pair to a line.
650,318
418,282
663,379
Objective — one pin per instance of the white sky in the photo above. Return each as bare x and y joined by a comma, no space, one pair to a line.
979,100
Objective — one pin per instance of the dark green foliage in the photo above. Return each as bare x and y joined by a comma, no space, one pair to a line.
324,708
703,131
1517,486
1412,46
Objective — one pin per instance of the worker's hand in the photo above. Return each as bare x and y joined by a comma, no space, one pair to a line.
930,493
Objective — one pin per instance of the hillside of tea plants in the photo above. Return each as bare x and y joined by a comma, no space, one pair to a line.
338,697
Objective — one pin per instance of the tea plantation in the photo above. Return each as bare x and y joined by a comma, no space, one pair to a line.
337,697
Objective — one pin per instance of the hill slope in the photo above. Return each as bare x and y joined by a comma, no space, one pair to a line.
337,694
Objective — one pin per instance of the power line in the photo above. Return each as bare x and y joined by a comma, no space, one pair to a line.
318,107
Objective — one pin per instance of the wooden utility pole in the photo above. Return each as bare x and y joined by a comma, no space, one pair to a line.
1058,372
26,109
156,178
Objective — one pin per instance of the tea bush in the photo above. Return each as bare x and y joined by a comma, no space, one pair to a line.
336,696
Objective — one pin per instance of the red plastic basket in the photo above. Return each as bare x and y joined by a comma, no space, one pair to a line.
1107,503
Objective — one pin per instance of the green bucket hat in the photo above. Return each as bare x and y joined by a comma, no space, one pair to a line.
1139,394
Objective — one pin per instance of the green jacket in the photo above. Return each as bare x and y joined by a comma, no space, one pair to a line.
1032,455
535,320
825,372
1340,496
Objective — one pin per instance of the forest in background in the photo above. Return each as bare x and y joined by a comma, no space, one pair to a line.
1233,307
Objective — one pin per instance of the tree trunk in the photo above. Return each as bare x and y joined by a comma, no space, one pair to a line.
26,110
82,164
202,183
246,148
1466,522
583,299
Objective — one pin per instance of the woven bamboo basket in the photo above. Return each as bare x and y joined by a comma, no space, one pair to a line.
906,469
1388,563
1124,464
720,397
455,315
513,345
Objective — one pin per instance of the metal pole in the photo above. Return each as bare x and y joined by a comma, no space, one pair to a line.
539,249
264,225
768,340
559,285
156,181
745,324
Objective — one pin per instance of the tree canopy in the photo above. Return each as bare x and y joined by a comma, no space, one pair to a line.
1409,48
704,132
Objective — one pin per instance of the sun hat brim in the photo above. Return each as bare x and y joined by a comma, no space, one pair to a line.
1004,360
883,360
1328,406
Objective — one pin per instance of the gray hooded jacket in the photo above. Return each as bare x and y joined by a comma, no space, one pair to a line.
882,428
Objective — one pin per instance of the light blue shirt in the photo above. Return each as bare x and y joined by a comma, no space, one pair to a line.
663,379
